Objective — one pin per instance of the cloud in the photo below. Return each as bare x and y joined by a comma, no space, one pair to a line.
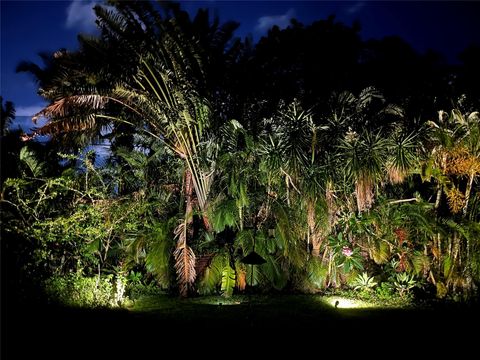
28,110
23,118
355,8
264,23
80,16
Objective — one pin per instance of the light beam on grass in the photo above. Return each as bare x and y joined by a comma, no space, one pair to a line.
344,303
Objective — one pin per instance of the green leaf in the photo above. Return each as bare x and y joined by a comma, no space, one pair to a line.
27,156
228,281
212,276
447,266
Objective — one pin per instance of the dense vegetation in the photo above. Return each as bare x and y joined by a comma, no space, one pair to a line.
342,163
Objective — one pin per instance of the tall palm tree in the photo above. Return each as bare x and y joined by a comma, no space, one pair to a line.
364,157
363,122
157,93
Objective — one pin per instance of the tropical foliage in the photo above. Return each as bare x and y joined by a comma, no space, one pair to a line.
331,189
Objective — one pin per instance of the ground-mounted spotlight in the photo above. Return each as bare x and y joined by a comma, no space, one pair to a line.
344,303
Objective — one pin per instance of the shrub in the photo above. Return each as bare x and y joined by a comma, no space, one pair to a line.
136,290
80,291
364,282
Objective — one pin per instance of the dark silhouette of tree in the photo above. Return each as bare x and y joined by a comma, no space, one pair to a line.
9,141
7,115
469,75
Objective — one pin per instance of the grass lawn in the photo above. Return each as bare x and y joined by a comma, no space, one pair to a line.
165,322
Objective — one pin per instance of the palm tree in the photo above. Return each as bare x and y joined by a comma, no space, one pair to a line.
157,94
403,156
364,157
468,158
7,115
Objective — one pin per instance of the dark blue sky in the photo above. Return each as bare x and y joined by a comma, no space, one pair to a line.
29,27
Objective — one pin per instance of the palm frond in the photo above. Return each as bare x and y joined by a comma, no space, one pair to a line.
367,96
184,260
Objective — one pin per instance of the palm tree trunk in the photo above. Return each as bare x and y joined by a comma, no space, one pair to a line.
439,196
189,202
184,256
439,247
206,223
457,260
288,190
313,235
240,215
468,192
443,166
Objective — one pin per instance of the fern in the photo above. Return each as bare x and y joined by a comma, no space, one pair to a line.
28,158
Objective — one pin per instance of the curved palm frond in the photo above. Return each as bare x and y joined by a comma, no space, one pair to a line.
184,260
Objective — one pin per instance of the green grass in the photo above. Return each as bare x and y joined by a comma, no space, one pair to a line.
254,311
204,325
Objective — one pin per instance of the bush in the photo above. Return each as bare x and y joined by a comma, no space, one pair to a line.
79,291
137,290
385,292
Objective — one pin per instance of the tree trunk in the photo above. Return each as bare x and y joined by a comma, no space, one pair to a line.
457,260
189,203
184,256
468,192
313,235
206,223
439,196
443,166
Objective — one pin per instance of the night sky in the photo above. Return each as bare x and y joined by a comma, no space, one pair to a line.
30,27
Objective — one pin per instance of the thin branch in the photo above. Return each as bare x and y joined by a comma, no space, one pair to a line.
291,181
402,201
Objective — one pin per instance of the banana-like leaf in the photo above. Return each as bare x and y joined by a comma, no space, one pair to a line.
420,262
212,276
380,252
228,280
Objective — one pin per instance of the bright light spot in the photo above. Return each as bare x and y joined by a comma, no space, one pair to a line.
217,301
344,303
